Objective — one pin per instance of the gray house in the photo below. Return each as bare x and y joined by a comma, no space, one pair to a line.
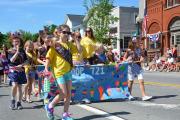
75,22
124,29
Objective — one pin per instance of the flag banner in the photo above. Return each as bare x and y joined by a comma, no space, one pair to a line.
144,23
96,82
154,37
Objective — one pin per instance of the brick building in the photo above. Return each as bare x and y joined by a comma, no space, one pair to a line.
164,21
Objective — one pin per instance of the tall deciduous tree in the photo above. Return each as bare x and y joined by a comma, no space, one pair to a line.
28,36
99,18
50,28
4,39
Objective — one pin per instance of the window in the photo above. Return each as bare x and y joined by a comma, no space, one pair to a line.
121,44
176,2
154,45
178,39
171,3
172,40
175,39
135,17
126,41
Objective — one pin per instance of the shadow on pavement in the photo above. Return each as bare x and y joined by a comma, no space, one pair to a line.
164,96
110,100
34,107
3,95
91,117
4,85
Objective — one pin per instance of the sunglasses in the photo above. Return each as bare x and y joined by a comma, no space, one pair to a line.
79,37
88,30
66,32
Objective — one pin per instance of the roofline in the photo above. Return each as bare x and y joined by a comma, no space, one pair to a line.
119,7
71,14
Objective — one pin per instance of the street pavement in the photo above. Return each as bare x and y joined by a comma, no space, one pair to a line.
165,105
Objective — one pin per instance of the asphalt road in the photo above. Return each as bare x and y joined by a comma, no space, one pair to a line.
165,105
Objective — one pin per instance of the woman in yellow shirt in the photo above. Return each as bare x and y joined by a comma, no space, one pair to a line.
79,51
89,43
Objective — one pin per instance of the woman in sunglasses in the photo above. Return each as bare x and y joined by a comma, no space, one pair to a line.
59,57
89,43
79,50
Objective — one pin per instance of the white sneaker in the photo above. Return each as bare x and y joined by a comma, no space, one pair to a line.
146,98
147,68
131,98
85,100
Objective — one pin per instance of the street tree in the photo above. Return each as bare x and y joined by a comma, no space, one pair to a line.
99,18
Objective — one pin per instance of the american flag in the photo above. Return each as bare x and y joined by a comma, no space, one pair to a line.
144,24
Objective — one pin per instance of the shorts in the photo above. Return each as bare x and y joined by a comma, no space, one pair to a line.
1,72
31,74
131,77
65,78
18,77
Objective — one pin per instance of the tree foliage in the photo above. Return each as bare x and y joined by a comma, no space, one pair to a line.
50,28
4,38
28,36
99,18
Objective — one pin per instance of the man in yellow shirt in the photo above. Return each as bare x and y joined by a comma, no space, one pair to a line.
59,58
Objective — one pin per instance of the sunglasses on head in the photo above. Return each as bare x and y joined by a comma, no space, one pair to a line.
88,30
66,32
79,37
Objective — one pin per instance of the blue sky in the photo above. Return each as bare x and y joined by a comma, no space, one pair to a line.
32,15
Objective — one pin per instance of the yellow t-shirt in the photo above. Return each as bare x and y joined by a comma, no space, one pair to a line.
76,56
89,46
58,65
32,58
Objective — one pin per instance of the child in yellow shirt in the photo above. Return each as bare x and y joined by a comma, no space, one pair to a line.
30,69
59,58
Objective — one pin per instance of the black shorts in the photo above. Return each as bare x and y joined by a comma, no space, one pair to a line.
1,72
18,77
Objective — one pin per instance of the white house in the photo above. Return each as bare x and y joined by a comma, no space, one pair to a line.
75,22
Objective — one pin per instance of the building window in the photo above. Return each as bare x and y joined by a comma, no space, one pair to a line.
154,45
172,40
176,2
171,3
135,17
126,41
177,39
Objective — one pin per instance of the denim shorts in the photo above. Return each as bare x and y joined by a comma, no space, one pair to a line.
31,74
18,77
131,77
65,78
